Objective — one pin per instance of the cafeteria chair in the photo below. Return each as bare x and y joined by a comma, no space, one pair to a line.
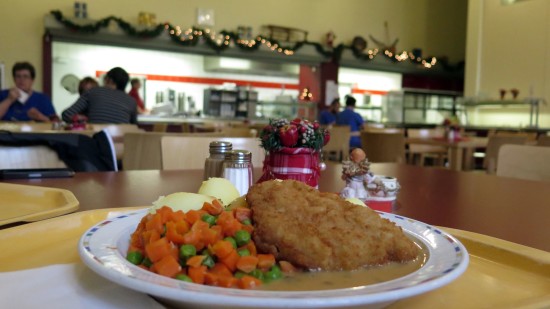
543,140
145,149
337,149
490,161
524,162
419,153
190,152
384,145
117,133
244,131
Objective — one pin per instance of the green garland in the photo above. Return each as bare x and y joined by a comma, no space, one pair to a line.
191,37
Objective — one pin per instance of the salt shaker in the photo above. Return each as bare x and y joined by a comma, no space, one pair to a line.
237,168
213,165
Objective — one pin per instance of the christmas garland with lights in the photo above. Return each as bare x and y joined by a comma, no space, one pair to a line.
222,41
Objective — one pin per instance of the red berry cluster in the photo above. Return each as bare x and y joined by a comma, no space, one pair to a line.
296,133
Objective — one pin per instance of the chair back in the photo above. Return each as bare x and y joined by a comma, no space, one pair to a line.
384,146
189,152
35,156
543,140
117,133
244,131
426,133
338,143
524,162
145,148
490,161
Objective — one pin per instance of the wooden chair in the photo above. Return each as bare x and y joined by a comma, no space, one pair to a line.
337,148
384,146
419,153
244,131
496,141
117,132
189,152
15,157
543,140
524,162
145,153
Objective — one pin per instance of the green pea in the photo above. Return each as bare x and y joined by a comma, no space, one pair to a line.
211,220
242,237
183,277
273,274
247,222
232,241
147,262
256,273
187,251
239,274
208,261
243,252
134,257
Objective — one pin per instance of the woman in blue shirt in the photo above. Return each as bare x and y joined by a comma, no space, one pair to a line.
349,117
328,116
21,103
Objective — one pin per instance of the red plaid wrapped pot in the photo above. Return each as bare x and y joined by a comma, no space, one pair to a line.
300,164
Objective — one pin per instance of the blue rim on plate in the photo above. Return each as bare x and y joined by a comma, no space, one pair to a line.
103,248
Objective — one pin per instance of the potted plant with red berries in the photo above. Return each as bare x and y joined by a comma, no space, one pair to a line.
292,150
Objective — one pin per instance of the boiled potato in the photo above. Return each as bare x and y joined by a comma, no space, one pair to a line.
220,188
238,202
184,201
356,201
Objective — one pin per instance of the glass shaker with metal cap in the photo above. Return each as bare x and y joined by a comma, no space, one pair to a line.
213,165
237,168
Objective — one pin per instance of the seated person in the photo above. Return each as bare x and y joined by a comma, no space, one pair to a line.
107,104
21,103
350,117
134,93
86,84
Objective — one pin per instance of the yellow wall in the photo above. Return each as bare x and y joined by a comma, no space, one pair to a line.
507,47
436,26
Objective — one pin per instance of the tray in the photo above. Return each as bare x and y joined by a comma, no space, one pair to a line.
33,203
501,274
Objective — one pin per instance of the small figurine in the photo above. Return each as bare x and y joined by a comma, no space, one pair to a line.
356,174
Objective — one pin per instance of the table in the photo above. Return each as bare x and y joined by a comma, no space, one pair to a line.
460,151
510,209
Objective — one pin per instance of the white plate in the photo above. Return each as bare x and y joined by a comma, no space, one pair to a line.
103,248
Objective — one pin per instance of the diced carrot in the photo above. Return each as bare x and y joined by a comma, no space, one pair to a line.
165,213
265,261
136,241
224,217
197,274
251,248
200,226
228,281
221,270
177,216
211,278
212,208
287,267
242,214
218,203
168,266
182,227
247,263
155,223
210,236
218,230
231,227
158,249
222,248
194,238
231,260
249,282
150,236
195,261
173,235
193,216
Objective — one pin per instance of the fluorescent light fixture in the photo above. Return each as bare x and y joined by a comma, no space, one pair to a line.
232,63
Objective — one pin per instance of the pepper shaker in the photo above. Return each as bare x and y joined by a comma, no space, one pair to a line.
213,165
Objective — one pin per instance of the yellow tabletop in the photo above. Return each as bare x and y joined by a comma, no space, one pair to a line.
501,274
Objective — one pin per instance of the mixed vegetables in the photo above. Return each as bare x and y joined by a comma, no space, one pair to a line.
211,246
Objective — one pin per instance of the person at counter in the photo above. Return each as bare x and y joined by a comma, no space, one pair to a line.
134,93
328,116
21,103
107,104
350,117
